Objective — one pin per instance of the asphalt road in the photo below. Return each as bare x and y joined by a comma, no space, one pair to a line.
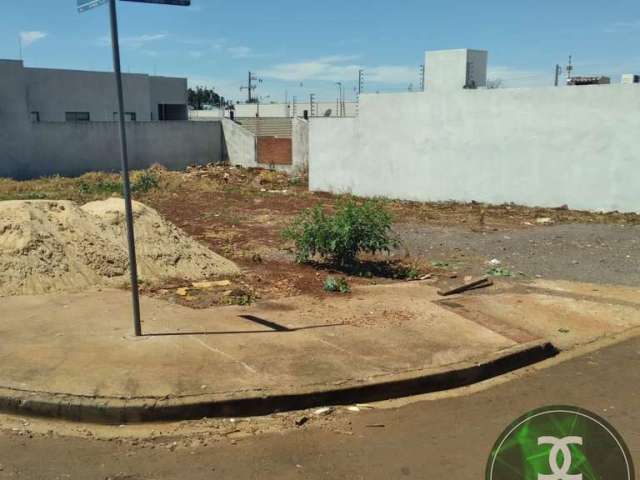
445,438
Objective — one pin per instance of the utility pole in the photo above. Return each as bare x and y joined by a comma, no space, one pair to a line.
360,89
340,105
558,73
250,87
569,68
286,103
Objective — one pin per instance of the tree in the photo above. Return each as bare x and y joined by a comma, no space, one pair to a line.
204,96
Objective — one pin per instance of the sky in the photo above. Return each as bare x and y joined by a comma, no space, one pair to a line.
298,47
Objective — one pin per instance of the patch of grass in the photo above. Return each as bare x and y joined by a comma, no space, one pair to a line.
447,265
141,182
144,182
440,264
100,187
411,273
338,285
499,272
31,196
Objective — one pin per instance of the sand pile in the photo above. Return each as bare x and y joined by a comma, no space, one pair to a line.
50,246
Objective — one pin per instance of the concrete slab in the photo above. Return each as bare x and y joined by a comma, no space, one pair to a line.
565,313
73,355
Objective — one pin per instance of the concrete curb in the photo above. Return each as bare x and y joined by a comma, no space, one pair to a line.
104,410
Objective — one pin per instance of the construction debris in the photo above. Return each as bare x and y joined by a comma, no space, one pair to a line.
301,421
479,283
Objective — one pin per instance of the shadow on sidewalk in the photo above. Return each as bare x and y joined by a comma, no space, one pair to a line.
273,326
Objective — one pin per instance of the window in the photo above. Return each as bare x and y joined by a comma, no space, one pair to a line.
128,116
35,117
169,111
77,116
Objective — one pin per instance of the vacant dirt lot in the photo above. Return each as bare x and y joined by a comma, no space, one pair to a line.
240,213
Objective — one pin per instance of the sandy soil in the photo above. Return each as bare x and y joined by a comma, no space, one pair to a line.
49,246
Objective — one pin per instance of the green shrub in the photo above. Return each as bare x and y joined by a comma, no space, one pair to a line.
333,284
142,183
339,237
102,186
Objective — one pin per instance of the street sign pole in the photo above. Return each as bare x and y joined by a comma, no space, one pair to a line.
83,6
115,44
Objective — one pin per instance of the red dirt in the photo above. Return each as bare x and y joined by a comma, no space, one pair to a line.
240,213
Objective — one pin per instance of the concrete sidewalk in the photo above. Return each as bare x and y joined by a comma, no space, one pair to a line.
73,356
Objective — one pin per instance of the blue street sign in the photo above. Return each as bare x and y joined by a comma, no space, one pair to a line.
84,5
181,3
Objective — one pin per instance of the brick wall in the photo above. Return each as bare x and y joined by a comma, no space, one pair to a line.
274,151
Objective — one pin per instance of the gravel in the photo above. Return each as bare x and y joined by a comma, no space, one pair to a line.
597,253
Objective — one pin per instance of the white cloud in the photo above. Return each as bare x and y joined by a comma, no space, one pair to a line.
392,74
133,42
239,52
341,68
623,26
334,68
204,43
29,38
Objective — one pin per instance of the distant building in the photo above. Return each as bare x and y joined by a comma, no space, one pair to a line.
588,80
450,70
628,78
297,109
52,95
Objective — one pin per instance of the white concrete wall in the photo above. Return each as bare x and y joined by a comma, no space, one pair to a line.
300,145
206,115
71,149
240,144
540,147
280,109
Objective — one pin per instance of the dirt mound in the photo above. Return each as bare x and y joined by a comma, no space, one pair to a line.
49,246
